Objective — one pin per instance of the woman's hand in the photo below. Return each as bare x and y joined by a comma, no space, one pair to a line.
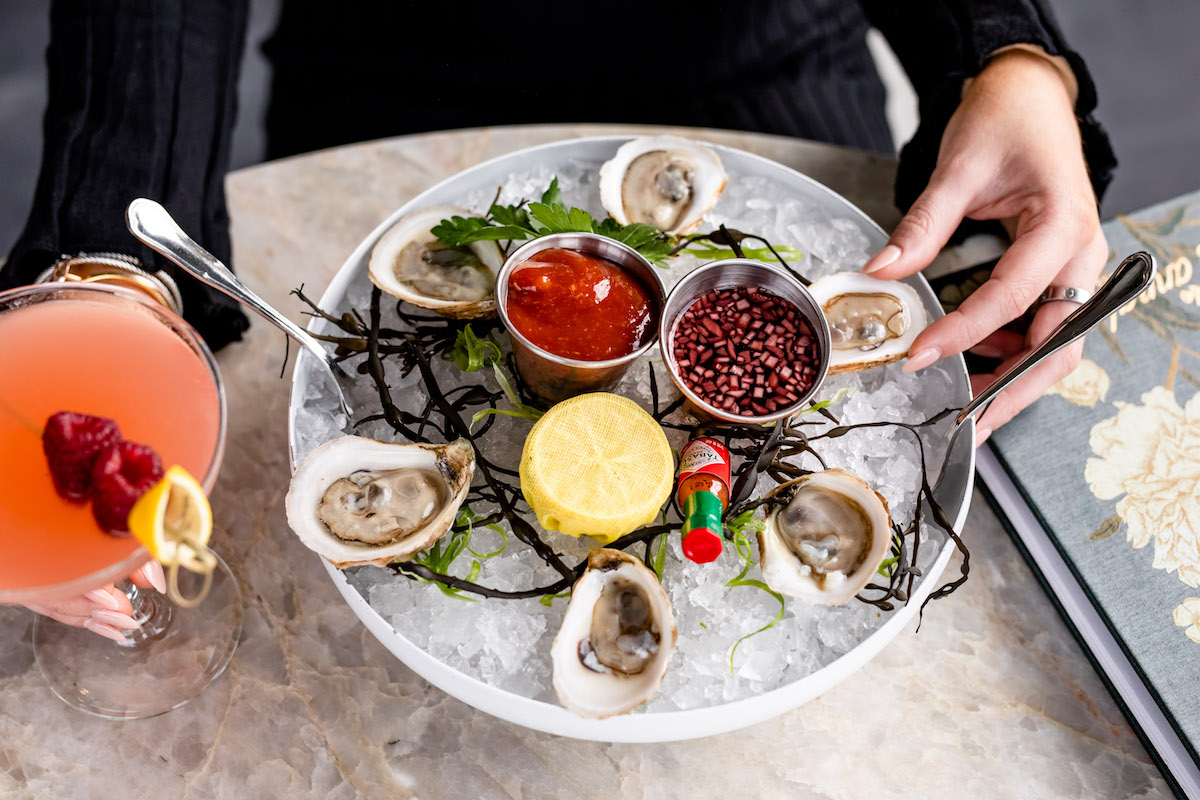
1011,152
105,611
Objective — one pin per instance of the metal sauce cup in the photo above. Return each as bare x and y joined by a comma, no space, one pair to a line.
728,274
551,377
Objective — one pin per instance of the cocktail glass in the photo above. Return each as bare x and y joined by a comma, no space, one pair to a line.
102,350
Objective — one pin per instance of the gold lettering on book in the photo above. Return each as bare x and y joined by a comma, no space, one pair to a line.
1175,276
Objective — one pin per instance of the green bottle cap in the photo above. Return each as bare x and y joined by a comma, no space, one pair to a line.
702,528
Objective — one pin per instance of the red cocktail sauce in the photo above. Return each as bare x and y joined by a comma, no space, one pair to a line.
579,306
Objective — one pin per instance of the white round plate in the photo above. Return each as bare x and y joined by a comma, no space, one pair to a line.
953,495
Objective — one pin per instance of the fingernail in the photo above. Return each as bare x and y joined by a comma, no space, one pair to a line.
154,573
922,359
107,631
981,435
884,258
987,351
101,597
116,619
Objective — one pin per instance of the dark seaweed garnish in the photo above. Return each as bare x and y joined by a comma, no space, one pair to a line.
731,238
756,450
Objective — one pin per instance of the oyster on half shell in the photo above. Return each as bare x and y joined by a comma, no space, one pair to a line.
828,540
618,634
664,181
410,263
359,501
871,322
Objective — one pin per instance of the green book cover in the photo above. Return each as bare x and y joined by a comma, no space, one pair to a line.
1108,460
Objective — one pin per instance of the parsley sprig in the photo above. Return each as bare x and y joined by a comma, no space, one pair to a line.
549,215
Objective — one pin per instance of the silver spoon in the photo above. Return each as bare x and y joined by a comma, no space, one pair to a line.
151,223
1128,280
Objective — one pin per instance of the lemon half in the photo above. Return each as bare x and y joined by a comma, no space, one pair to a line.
174,512
596,465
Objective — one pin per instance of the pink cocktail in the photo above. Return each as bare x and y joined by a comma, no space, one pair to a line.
106,352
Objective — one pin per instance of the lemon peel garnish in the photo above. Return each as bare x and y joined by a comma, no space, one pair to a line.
173,520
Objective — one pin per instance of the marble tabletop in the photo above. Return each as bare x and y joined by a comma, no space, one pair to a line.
992,698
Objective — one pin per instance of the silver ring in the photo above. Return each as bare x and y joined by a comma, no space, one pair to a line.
1073,294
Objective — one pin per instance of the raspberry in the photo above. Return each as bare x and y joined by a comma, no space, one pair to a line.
122,473
71,442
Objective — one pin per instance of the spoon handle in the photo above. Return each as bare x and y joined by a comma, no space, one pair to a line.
1128,280
151,223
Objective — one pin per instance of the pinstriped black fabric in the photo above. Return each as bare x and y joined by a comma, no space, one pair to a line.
942,42
141,102
776,66
142,94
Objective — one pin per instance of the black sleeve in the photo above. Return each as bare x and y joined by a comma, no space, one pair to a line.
141,104
941,43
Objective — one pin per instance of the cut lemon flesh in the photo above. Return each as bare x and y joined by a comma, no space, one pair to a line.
173,520
596,465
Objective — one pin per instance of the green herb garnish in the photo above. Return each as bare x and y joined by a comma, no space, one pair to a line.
469,352
646,239
444,551
741,542
659,559
888,564
518,409
468,517
459,231
549,215
738,526
832,400
559,219
547,599
709,253
553,195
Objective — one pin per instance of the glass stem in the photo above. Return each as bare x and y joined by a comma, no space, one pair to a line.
149,608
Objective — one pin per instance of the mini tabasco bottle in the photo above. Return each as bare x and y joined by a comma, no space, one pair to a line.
703,496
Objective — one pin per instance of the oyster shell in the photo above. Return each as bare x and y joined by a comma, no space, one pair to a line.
663,181
616,638
871,322
827,542
460,282
359,501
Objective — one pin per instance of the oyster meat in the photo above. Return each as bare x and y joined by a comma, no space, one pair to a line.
871,322
663,181
410,263
360,501
618,634
825,544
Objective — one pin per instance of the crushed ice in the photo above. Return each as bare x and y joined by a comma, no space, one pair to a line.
506,643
